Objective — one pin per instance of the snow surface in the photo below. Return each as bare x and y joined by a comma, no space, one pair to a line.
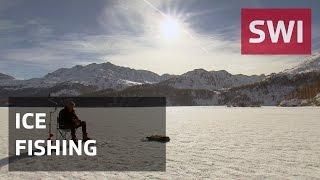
220,143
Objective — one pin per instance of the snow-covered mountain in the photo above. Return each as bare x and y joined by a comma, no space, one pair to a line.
277,87
105,75
196,87
210,80
311,64
5,77
100,76
109,76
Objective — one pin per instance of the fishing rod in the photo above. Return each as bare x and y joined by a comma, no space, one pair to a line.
50,135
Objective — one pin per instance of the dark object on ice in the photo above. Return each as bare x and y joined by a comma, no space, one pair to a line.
158,138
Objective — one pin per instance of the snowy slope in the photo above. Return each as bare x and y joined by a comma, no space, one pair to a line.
5,77
210,80
269,92
311,64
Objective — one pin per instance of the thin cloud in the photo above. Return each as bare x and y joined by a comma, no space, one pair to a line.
128,34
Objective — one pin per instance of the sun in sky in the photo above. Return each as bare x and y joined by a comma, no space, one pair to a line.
170,28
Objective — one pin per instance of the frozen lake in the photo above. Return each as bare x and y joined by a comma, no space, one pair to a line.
220,142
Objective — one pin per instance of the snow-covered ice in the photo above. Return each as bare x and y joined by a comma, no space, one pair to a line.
220,142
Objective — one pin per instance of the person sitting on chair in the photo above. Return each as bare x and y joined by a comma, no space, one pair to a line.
71,121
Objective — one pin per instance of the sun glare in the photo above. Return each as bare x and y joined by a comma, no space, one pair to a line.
170,28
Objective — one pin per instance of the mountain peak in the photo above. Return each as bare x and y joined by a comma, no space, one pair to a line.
196,72
221,71
5,77
107,62
200,70
102,76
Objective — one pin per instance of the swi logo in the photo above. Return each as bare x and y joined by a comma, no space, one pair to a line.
275,31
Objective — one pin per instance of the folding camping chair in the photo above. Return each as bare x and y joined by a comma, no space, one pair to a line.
62,131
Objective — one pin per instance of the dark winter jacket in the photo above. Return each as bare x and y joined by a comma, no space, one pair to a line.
66,118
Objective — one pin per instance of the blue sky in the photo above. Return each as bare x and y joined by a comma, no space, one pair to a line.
39,36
